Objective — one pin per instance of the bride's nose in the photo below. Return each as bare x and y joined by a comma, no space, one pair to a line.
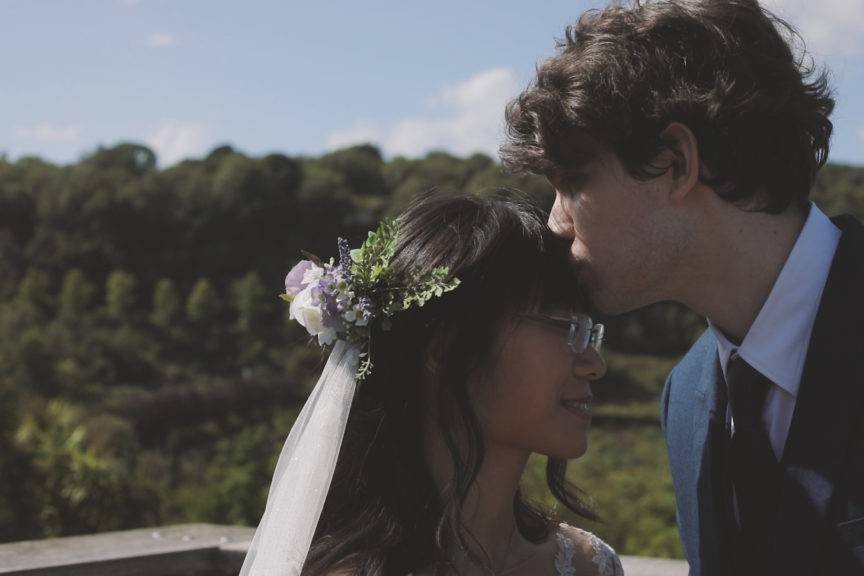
589,365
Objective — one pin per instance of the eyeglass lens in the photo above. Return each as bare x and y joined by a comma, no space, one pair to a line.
584,333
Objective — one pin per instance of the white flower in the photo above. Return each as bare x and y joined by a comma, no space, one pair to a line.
326,337
313,275
307,312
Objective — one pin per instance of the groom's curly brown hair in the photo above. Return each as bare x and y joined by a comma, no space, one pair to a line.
731,71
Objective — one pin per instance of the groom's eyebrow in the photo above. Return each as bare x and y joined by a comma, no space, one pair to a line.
578,151
574,180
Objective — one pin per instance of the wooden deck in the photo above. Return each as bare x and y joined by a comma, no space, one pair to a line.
183,550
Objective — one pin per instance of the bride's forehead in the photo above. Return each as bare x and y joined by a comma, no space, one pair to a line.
550,307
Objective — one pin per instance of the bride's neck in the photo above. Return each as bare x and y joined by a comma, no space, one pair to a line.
489,514
488,511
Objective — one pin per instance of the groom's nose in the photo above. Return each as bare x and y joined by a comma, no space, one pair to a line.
559,220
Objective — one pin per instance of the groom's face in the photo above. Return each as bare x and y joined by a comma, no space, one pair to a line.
619,230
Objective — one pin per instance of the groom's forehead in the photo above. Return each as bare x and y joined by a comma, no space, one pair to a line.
583,156
577,154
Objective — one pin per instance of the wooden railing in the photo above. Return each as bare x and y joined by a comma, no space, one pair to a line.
183,550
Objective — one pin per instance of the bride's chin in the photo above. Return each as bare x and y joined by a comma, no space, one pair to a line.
569,453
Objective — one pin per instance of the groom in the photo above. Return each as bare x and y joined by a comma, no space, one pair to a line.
682,138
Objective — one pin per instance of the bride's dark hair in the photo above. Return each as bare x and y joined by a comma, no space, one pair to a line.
383,514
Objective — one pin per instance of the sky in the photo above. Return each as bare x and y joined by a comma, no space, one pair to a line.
302,78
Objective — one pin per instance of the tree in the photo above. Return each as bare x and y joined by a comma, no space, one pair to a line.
18,503
203,310
360,167
76,295
203,306
166,304
34,294
252,302
132,159
120,294
83,481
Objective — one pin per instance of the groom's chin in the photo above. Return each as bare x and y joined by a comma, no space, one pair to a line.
608,302
600,299
610,306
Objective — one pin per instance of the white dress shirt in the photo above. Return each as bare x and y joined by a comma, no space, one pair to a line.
777,342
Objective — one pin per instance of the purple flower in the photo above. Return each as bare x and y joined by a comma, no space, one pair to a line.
345,261
367,306
294,280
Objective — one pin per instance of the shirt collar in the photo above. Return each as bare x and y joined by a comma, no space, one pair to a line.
777,342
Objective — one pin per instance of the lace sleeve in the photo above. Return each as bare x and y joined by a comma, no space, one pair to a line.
604,557
607,561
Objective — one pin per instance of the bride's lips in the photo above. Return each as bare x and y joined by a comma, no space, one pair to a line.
579,406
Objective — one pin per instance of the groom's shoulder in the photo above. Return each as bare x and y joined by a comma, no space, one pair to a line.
679,384
852,230
848,266
694,361
849,223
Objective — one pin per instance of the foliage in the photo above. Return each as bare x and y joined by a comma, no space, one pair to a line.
625,477
166,304
148,374
76,295
370,262
81,478
370,270
119,294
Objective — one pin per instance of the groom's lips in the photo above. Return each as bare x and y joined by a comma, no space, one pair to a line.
579,406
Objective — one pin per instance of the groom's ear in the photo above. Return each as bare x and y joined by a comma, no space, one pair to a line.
683,156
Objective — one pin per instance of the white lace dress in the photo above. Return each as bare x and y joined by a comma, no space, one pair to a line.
604,557
569,541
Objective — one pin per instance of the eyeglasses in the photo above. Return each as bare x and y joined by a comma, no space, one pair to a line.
582,331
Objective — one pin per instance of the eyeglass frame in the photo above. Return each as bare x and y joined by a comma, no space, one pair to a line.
595,334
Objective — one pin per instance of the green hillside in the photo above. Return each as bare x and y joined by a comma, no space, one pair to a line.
149,375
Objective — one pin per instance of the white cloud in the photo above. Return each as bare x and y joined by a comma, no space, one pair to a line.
829,27
129,2
159,40
472,120
174,141
48,133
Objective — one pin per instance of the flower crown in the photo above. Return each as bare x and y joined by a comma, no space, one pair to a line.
337,301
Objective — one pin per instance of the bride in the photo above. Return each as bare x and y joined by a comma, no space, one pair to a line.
459,347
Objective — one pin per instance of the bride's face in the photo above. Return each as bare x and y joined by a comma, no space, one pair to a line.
536,393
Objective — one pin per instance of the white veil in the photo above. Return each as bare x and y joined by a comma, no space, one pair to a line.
304,471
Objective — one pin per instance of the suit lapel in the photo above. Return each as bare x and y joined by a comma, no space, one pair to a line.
819,435
709,421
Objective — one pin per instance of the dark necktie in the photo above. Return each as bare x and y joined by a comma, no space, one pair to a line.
753,468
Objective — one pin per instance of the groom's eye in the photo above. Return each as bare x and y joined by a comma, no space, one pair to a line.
573,185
